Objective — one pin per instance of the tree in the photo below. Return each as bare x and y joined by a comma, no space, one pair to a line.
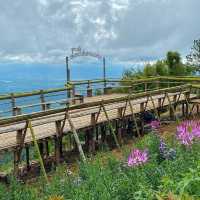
194,57
173,60
161,68
150,70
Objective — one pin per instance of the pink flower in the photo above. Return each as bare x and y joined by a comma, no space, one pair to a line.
187,131
155,124
137,157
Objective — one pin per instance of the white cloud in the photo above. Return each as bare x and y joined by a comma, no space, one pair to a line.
127,30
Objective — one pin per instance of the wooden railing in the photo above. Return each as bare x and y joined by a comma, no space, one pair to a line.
40,100
24,117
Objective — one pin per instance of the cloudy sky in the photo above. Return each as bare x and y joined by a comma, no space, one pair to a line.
44,31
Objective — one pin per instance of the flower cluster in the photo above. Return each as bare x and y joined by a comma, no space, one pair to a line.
155,124
165,152
187,131
137,157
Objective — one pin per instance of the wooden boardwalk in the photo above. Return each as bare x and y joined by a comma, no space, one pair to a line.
44,127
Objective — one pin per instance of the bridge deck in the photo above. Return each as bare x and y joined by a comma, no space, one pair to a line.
45,126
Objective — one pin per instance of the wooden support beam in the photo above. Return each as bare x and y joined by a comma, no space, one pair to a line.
37,150
16,162
46,148
78,143
119,130
41,148
141,120
125,107
120,112
172,108
110,125
58,142
17,151
154,107
134,119
93,119
188,109
28,166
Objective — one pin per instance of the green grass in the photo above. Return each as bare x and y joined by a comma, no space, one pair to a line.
107,177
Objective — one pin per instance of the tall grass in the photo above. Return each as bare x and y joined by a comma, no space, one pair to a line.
108,177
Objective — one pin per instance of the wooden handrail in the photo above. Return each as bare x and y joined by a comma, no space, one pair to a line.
25,117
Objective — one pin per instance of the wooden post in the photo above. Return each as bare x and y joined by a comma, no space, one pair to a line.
141,120
17,152
110,126
119,131
37,150
58,142
17,111
172,110
91,133
172,107
134,118
188,109
41,147
154,107
28,166
120,112
78,143
13,103
42,100
46,148
159,106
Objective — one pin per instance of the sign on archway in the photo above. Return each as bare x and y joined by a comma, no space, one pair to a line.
78,52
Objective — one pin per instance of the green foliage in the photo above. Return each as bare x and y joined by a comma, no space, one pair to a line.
194,57
172,66
179,178
161,68
150,70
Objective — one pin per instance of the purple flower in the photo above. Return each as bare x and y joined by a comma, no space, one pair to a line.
162,146
166,152
137,157
187,131
155,124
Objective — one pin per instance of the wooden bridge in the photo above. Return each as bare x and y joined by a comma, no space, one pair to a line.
86,119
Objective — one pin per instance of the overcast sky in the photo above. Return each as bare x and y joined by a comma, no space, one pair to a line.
44,31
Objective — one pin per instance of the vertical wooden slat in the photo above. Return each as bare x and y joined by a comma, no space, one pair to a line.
17,152
37,150
154,107
58,141
141,120
75,134
13,103
171,107
134,118
27,158
42,100
110,125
